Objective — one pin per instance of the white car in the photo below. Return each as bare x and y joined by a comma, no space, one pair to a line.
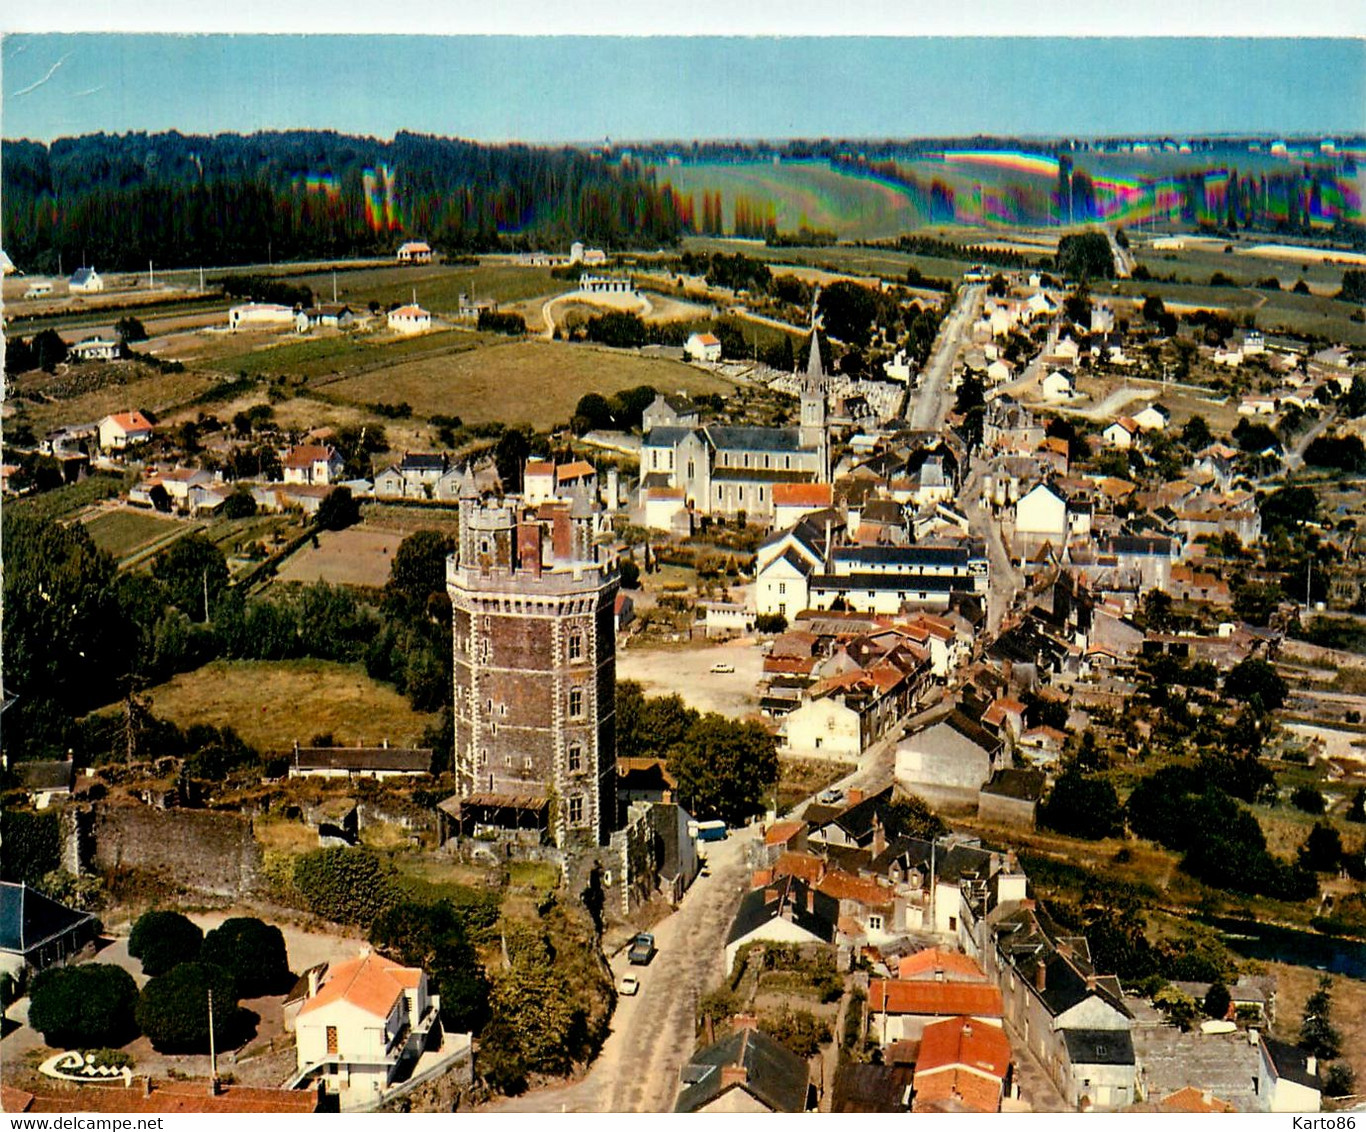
629,985
723,668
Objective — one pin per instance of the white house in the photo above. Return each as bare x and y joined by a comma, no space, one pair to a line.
950,759
1000,371
1122,433
95,350
1152,418
663,507
538,481
363,1021
793,501
415,251
1066,349
1041,514
827,726
1256,405
786,911
703,348
312,463
86,281
1058,386
119,430
781,585
899,368
39,289
260,315
410,319
1289,1078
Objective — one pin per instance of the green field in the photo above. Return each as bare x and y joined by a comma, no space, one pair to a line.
64,501
438,287
519,382
884,263
272,703
337,354
125,532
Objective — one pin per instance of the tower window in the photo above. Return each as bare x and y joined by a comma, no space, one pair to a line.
575,646
575,756
575,702
576,810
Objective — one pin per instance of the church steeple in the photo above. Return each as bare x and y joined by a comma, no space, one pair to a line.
813,433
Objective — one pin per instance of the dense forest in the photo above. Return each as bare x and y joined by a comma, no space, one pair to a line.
183,201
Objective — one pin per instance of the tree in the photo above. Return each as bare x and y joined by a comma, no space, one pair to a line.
130,329
338,510
241,504
1153,307
1082,805
347,886
49,350
592,412
1085,256
1217,1001
1318,1035
85,1005
418,570
909,815
1356,812
630,575
432,936
1353,286
509,455
161,939
848,310
724,768
1196,434
253,952
1179,1007
173,1009
195,574
649,727
1322,849
1256,677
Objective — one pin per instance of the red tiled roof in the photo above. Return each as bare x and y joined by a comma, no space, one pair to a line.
897,996
173,1097
801,865
963,1060
371,983
1191,1099
132,421
306,455
577,470
781,832
802,495
846,886
923,965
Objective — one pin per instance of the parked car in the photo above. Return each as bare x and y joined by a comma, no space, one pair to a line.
830,797
642,950
722,668
629,985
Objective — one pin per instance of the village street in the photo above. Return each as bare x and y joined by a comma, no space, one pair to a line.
654,1031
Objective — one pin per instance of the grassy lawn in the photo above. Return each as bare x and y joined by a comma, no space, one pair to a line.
522,382
125,532
273,703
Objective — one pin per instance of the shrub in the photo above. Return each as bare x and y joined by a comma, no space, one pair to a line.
91,1004
163,939
173,1009
338,510
253,952
347,886
1307,799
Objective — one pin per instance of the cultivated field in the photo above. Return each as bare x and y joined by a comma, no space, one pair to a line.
124,532
438,287
357,556
325,354
105,388
536,383
272,703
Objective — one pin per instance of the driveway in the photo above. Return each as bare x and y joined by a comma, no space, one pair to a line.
654,1032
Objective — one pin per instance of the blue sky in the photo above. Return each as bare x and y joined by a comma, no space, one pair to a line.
579,89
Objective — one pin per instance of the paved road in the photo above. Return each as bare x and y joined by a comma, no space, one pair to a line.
1124,260
1005,581
931,397
654,1032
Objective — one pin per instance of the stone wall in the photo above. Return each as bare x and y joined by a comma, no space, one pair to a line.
202,850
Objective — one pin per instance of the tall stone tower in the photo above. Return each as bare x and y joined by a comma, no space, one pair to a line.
814,433
535,668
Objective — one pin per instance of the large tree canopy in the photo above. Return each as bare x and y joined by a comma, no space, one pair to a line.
724,768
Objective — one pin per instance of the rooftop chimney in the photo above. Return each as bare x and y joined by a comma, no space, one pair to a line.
147,1086
855,795
1090,982
1311,1065
744,1022
734,1075
314,981
1040,977
811,900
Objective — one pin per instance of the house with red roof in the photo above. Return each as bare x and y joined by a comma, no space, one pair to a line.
119,430
900,1009
312,463
794,501
410,319
964,1061
364,1023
